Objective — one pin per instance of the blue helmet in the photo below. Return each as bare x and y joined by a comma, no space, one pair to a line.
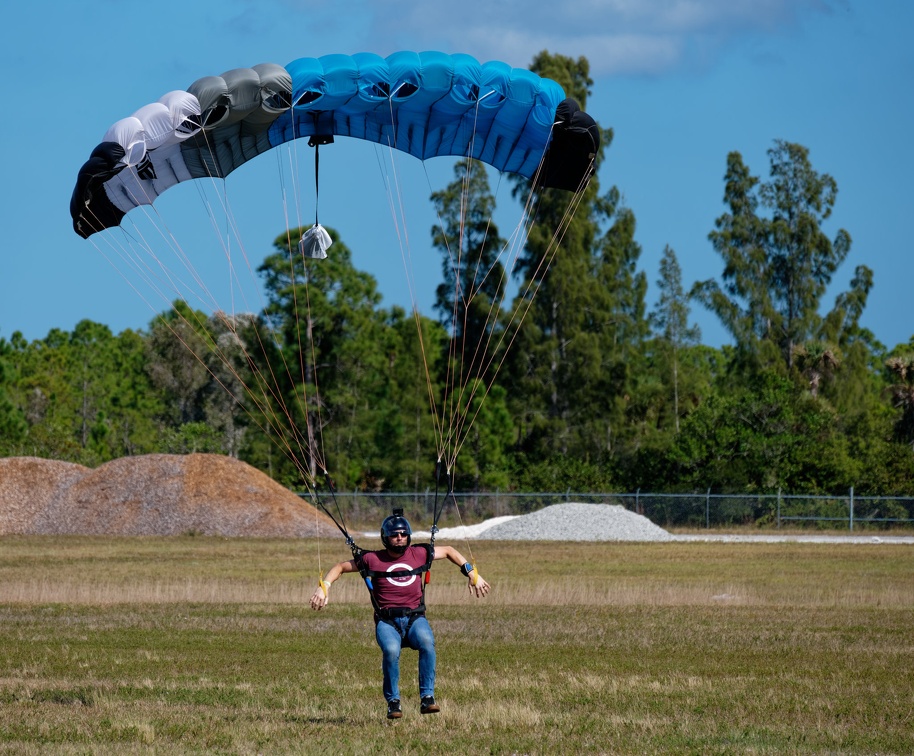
394,524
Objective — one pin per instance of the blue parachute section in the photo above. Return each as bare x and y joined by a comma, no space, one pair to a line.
426,104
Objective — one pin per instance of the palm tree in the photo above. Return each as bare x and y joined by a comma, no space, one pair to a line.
902,395
817,361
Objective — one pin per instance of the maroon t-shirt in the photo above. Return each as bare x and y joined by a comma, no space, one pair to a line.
405,591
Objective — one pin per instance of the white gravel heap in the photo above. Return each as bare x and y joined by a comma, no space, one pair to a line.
464,531
576,522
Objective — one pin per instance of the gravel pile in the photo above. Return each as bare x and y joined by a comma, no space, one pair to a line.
603,522
576,522
29,488
156,494
464,531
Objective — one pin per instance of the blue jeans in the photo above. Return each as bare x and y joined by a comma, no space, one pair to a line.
392,636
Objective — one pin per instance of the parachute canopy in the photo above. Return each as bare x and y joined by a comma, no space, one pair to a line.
427,104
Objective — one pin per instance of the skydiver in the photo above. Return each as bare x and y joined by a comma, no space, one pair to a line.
399,604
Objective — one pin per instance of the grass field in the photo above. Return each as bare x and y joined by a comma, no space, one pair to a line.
191,645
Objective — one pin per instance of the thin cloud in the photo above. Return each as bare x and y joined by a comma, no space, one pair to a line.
617,36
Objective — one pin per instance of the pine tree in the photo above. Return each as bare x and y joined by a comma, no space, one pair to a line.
777,265
12,422
584,319
671,321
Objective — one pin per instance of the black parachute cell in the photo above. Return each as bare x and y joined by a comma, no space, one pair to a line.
569,161
103,164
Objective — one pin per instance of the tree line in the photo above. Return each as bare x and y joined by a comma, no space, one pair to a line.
585,387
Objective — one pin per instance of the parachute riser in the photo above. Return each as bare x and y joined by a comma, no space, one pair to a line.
356,550
441,501
339,522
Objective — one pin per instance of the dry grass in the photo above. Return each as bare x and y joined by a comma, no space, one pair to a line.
205,645
76,570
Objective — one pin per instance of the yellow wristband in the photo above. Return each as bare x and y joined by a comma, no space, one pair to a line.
325,587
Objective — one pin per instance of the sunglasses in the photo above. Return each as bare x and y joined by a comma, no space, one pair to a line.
399,534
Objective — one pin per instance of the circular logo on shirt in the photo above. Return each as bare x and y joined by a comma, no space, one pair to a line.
406,579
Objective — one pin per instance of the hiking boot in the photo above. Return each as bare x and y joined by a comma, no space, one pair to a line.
428,705
394,710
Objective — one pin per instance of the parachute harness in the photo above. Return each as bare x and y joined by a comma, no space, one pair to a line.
368,575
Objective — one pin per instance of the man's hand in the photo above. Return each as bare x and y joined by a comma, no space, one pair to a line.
480,588
321,597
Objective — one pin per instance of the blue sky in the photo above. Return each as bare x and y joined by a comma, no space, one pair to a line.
681,83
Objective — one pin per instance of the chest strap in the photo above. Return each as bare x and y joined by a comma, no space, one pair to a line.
397,573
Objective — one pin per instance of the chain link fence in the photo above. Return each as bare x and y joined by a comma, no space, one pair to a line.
684,510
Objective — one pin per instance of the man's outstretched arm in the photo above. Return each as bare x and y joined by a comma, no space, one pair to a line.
321,597
476,584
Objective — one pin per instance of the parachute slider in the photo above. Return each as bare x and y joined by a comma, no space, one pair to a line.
315,242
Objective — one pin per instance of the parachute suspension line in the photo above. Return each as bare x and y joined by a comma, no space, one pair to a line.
152,214
448,410
472,371
338,519
312,446
197,326
457,372
441,500
450,371
301,401
474,374
470,375
182,291
220,188
488,354
535,281
527,296
390,178
458,375
268,388
291,151
320,569
309,455
179,287
315,444
273,423
439,508
398,208
429,383
134,261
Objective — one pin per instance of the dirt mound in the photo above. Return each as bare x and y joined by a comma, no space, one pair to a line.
157,494
29,486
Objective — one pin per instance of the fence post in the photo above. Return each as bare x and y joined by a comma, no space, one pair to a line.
708,510
779,508
851,510
638,501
